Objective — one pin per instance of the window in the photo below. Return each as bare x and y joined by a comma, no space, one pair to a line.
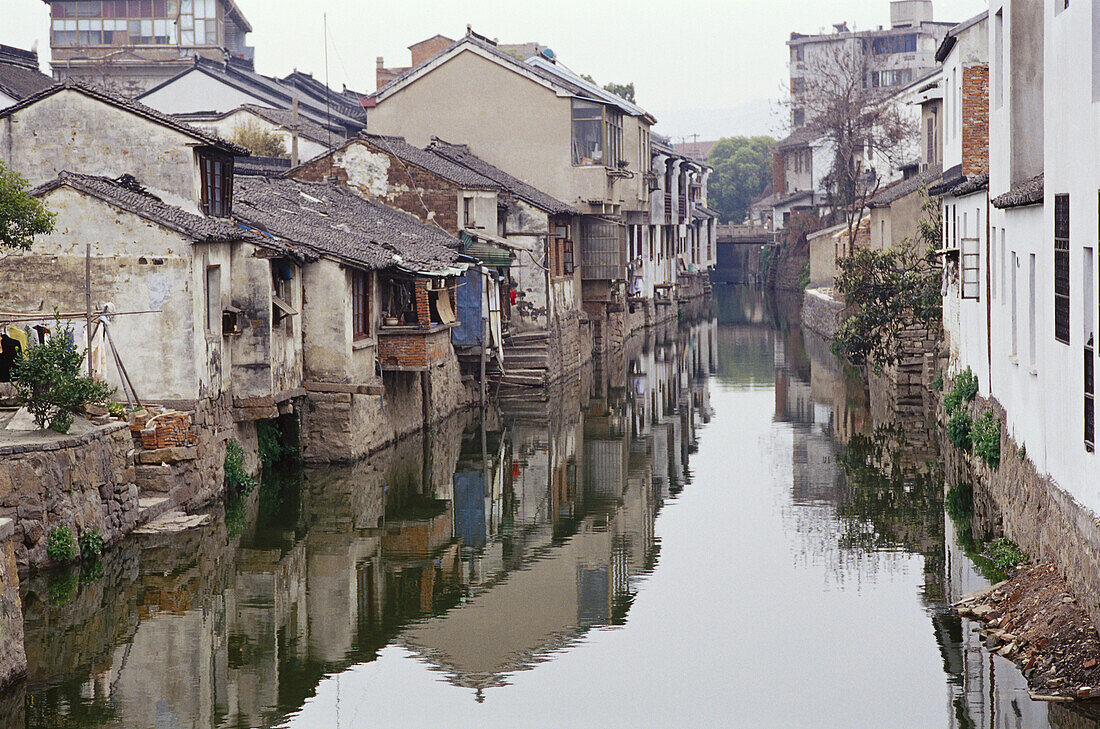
1004,263
1061,268
931,148
217,184
971,262
213,299
613,134
893,77
1015,321
1096,50
360,304
282,294
469,219
993,267
798,117
561,252
198,22
587,133
115,22
1031,334
1088,335
602,249
905,43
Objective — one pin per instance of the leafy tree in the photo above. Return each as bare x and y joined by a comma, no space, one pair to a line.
742,169
22,216
49,382
887,290
260,140
623,91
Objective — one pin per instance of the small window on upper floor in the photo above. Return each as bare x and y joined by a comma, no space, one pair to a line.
216,173
588,147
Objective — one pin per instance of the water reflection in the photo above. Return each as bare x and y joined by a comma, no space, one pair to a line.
721,522
482,548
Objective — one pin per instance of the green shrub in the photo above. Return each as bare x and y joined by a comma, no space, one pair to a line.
237,479
964,389
91,545
804,277
986,436
1005,554
49,381
116,410
958,430
61,545
937,381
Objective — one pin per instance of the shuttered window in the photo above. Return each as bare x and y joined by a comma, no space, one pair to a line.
1061,268
217,184
360,304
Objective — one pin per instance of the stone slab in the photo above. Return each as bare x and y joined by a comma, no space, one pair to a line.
173,522
166,455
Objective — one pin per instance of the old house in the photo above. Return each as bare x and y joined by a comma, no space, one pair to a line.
547,126
521,235
130,47
378,308
301,138
227,84
19,75
202,313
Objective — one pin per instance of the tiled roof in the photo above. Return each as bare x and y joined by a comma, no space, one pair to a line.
135,107
265,166
952,177
331,220
19,74
127,194
460,154
273,91
971,184
306,128
1028,192
901,188
434,163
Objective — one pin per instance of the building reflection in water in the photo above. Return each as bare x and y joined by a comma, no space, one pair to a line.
538,517
866,495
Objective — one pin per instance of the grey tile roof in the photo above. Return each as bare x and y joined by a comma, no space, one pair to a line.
434,163
127,194
306,128
900,189
951,177
1028,192
136,107
19,74
971,184
242,76
331,220
265,166
460,154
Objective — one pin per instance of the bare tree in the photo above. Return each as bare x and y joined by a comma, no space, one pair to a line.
862,124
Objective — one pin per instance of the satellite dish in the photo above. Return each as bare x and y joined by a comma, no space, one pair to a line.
549,55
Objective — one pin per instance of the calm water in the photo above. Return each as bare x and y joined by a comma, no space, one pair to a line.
713,531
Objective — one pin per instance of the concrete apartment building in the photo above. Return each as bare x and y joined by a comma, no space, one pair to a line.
130,46
547,126
895,56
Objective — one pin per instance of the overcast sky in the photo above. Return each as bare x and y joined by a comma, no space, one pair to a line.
707,66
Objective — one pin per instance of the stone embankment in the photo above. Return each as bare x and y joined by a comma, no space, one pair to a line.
821,312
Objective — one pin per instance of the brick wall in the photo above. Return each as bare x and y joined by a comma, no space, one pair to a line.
408,187
779,172
413,348
423,308
975,115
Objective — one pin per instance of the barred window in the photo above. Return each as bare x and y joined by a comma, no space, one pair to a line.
1061,268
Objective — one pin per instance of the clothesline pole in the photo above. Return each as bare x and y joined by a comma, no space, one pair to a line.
88,305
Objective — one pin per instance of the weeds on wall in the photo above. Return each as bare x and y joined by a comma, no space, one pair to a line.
237,479
91,545
995,559
61,544
964,388
959,429
986,437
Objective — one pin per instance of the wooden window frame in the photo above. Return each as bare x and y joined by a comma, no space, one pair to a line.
1061,269
360,305
216,184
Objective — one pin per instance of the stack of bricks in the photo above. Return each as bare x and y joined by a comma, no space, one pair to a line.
168,431
423,308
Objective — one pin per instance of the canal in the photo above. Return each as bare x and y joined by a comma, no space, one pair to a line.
721,528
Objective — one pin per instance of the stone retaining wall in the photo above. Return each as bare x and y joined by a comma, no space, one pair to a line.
1018,502
84,482
13,659
821,313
